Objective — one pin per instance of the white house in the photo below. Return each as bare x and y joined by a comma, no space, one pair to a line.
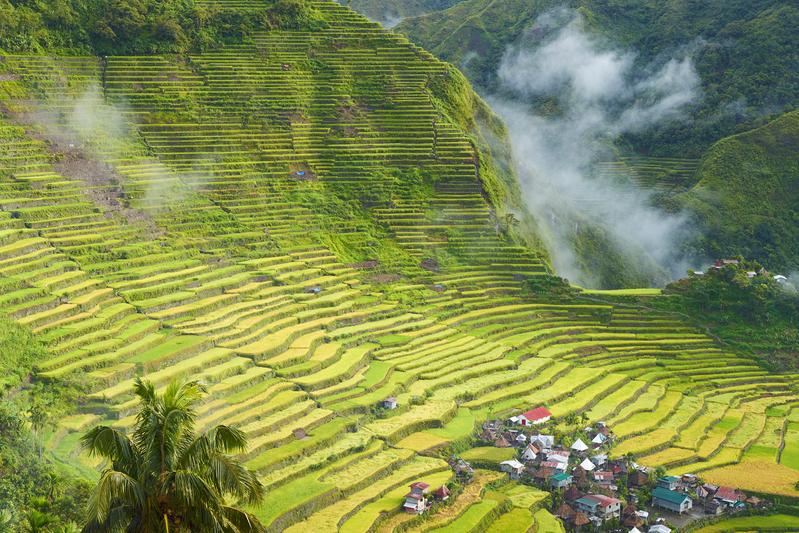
599,439
512,467
530,453
588,466
544,442
416,499
579,446
539,415
559,456
390,403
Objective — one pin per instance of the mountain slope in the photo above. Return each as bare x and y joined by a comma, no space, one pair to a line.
747,196
300,220
744,52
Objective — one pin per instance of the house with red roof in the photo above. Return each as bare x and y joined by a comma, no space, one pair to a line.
728,495
599,505
441,493
533,417
416,499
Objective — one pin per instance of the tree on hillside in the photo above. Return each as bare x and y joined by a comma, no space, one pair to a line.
165,477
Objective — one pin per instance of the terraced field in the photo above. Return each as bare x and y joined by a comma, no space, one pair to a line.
211,219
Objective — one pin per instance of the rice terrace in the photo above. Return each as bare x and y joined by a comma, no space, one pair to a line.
314,228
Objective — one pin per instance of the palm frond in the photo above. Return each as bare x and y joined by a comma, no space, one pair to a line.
192,491
118,521
238,521
113,490
111,444
231,477
228,439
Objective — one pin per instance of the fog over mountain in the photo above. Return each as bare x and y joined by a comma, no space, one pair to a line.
600,94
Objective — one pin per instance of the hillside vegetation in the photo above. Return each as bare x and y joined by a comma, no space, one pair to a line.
310,220
747,195
140,26
744,52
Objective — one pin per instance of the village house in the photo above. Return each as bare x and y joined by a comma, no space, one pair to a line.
555,465
587,465
604,478
561,456
560,480
659,528
502,442
441,493
674,501
728,496
416,499
713,507
630,516
721,263
579,446
637,478
564,512
601,506
462,469
543,442
512,467
533,417
531,452
669,482
390,403
707,490
572,494
579,519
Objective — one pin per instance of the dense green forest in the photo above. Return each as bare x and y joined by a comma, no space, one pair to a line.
34,489
745,52
757,315
137,26
747,196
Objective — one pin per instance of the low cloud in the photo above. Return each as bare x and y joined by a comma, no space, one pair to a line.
593,92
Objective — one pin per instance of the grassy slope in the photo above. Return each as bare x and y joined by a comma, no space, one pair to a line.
748,61
748,194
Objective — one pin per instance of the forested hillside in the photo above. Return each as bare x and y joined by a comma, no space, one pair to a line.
744,51
747,196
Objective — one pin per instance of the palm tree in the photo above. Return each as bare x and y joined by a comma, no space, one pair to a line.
166,478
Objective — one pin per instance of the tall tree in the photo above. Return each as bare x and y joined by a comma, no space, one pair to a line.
165,477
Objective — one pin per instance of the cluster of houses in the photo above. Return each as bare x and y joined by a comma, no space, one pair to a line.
679,494
419,499
591,489
751,274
